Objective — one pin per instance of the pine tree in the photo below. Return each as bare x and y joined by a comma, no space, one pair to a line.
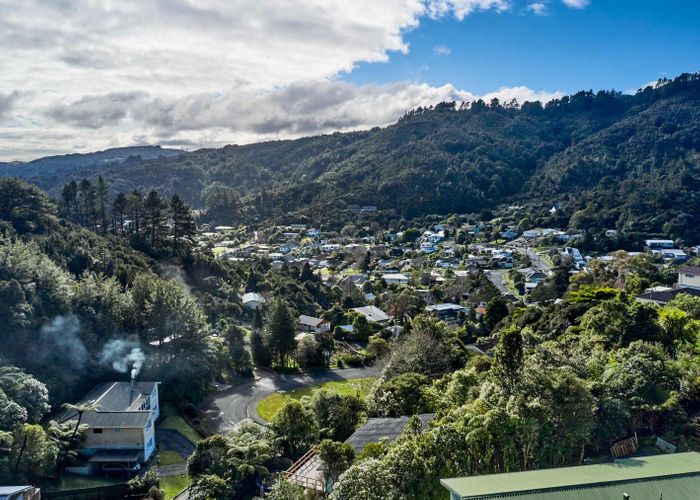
183,225
135,205
69,198
103,201
119,208
153,216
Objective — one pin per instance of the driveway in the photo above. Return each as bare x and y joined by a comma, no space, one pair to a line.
229,407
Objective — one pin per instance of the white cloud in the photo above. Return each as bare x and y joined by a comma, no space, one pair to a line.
521,94
208,72
538,8
442,50
462,8
576,4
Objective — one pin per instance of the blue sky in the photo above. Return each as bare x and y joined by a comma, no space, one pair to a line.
616,44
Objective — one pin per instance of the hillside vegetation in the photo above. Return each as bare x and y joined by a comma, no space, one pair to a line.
612,161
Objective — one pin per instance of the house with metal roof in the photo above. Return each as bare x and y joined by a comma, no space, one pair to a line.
673,476
311,324
373,314
121,432
19,493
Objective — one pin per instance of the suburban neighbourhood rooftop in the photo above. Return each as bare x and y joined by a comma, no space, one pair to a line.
674,476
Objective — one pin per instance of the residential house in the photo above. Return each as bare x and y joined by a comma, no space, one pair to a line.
447,312
121,433
509,234
428,247
688,283
668,476
659,244
368,209
313,233
313,325
534,276
252,300
396,279
689,277
532,234
19,493
373,314
672,254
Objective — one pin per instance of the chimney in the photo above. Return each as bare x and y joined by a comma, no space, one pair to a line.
131,396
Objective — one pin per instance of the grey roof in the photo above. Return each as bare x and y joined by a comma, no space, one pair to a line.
689,270
10,490
310,320
382,429
372,313
117,396
116,419
447,306
666,296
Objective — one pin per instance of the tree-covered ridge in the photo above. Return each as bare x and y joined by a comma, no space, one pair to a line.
617,156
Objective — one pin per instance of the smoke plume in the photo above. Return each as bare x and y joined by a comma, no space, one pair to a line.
60,337
122,354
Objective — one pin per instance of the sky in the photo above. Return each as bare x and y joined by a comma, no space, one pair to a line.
86,75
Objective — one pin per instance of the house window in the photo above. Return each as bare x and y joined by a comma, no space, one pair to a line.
97,431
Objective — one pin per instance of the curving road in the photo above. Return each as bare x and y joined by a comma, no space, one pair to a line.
227,408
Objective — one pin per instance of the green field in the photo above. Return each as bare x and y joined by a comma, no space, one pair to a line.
170,457
175,422
172,485
269,406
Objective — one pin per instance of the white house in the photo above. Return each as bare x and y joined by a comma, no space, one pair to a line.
689,277
659,244
121,433
532,233
396,279
252,300
313,325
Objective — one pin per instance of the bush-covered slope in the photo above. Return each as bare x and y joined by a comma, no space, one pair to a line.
611,159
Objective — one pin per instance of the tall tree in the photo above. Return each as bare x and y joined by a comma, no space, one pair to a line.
281,329
508,358
135,206
153,216
103,201
69,198
183,225
119,207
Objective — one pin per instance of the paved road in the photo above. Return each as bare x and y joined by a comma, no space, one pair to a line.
231,406
496,277
538,262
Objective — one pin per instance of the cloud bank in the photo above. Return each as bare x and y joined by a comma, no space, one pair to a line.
209,72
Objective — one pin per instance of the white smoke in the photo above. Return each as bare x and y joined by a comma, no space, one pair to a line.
122,354
60,336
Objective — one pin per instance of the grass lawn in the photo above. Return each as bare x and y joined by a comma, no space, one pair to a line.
172,485
170,457
175,422
269,406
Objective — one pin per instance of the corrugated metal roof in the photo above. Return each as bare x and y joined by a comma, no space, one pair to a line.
602,478
117,396
379,429
671,488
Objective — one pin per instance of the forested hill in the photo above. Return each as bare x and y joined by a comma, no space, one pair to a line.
630,162
60,164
